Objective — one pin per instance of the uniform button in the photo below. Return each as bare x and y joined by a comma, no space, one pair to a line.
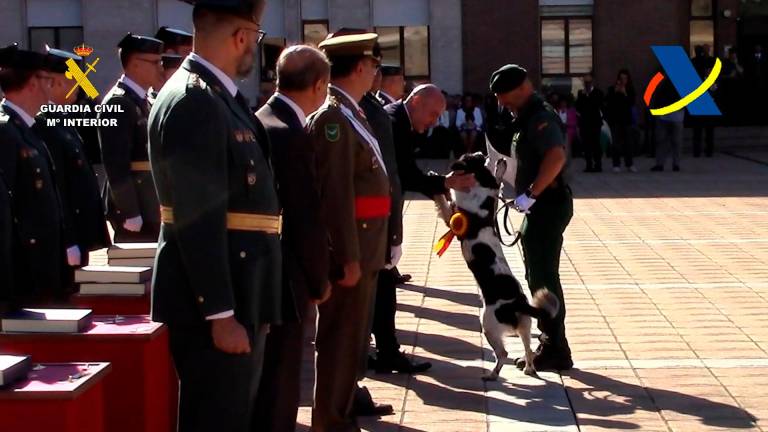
37,170
252,162
200,299
138,181
242,254
77,211
32,241
365,225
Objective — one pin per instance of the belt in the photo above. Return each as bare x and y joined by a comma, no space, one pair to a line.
372,207
140,166
268,224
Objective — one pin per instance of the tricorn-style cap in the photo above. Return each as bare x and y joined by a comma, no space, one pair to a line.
246,9
57,59
173,37
140,44
172,61
11,57
508,78
351,43
391,70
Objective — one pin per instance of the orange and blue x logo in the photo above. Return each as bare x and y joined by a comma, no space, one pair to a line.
693,91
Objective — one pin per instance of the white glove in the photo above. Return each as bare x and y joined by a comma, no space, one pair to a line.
395,253
73,256
523,203
133,224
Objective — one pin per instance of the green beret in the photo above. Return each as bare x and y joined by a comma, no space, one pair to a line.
508,78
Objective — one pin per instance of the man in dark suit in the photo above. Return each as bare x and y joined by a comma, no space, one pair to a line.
411,117
27,170
389,357
217,283
84,225
392,86
303,73
130,196
589,104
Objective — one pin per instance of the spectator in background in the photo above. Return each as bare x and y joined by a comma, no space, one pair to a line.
392,84
570,118
669,128
620,99
731,67
443,136
731,85
469,121
756,74
703,128
589,104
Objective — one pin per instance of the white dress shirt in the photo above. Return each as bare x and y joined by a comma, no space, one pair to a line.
26,118
297,109
387,98
224,78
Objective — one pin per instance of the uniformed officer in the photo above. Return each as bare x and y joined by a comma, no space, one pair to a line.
545,198
392,84
130,196
217,283
354,189
27,171
175,41
84,225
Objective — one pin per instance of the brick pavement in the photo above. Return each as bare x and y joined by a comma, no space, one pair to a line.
666,279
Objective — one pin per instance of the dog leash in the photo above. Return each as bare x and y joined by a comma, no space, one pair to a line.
505,207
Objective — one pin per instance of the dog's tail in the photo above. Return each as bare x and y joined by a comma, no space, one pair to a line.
545,301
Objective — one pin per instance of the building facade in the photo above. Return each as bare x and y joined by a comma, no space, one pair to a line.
453,43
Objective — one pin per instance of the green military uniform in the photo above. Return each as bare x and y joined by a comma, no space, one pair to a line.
538,129
130,189
28,175
355,193
219,245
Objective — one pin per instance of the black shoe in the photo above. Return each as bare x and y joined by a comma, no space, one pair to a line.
404,278
364,406
657,168
548,360
398,362
676,168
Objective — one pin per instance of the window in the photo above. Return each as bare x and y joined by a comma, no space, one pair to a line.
407,47
65,38
566,46
315,31
702,24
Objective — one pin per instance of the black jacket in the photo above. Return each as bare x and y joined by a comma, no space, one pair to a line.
382,128
305,238
83,210
210,157
38,252
412,178
128,192
589,107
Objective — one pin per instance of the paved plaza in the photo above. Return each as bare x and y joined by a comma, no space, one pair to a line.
666,283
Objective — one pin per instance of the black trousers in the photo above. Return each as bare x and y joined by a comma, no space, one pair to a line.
706,132
384,314
542,240
593,152
622,145
216,390
277,403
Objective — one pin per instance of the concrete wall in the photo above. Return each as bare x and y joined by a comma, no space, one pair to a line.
445,44
496,33
105,23
13,23
349,13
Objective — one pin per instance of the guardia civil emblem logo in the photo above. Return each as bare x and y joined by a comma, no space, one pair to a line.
332,132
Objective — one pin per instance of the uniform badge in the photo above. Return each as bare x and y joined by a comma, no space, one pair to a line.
251,179
251,136
542,126
332,132
38,184
239,136
374,162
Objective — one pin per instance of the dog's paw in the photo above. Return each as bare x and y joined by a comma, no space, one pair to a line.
531,372
490,376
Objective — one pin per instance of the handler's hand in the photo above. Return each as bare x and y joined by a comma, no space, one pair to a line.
460,181
230,336
351,274
523,203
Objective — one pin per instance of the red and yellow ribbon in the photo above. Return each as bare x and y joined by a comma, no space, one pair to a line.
459,225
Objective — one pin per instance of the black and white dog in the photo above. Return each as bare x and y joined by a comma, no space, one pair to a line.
506,310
